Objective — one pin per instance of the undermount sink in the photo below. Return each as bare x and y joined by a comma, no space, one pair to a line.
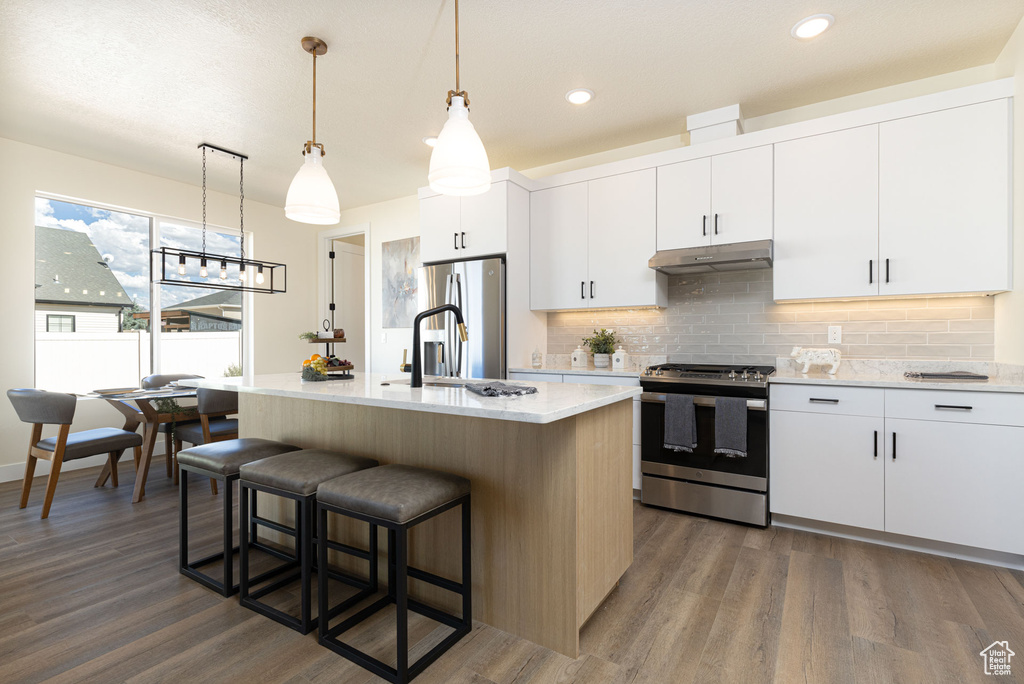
455,382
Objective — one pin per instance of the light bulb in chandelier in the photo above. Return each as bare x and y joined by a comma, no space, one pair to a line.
202,269
259,275
241,273
223,270
181,264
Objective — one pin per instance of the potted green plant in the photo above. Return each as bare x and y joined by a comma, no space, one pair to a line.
601,344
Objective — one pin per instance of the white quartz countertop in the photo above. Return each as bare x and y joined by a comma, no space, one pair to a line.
859,378
553,401
569,370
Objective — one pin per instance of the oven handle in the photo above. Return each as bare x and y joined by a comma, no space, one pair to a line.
655,398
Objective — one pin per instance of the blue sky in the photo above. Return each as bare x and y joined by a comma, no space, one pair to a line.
123,241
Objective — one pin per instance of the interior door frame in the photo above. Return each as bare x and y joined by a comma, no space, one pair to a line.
325,238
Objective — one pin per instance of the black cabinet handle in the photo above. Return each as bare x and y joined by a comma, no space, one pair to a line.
456,236
871,271
463,241
704,226
876,443
953,407
894,446
716,224
886,270
816,400
582,285
591,289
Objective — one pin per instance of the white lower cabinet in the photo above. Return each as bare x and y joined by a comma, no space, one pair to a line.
826,467
955,482
942,466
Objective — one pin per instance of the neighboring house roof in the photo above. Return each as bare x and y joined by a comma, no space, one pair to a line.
69,269
220,298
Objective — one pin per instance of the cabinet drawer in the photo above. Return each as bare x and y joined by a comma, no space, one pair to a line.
848,401
985,408
627,381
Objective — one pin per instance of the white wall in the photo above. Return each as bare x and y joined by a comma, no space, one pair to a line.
26,170
1010,306
391,220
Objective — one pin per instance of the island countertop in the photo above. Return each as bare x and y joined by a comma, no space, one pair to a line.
552,402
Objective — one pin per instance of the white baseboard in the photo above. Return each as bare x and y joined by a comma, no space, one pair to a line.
968,553
14,472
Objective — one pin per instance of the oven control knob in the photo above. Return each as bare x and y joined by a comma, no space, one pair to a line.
757,376
659,372
647,371
732,375
744,376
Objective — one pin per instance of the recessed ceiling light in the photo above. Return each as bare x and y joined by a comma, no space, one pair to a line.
580,96
430,140
812,26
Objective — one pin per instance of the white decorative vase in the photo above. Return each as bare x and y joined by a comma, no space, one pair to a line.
601,360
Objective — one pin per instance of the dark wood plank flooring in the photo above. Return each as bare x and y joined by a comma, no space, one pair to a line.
93,595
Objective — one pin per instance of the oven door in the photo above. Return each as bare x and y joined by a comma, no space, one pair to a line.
703,465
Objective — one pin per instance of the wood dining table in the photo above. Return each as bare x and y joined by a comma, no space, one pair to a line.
145,412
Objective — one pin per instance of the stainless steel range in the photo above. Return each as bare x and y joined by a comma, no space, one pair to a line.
702,481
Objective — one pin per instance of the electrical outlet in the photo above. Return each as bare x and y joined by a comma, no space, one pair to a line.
383,338
835,334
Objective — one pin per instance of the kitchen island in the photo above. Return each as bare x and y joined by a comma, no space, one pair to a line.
551,476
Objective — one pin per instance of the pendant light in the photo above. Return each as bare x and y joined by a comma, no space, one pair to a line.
311,196
458,164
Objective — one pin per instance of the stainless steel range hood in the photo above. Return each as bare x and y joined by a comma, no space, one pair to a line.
736,256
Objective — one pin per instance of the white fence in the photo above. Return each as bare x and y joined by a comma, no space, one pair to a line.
82,362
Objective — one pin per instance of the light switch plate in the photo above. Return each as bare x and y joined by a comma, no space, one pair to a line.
383,338
835,334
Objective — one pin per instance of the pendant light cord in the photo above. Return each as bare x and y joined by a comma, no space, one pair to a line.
241,208
458,92
314,98
204,199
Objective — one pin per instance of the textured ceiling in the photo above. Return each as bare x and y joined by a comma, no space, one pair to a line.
139,83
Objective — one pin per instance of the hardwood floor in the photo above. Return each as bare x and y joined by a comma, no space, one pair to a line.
93,595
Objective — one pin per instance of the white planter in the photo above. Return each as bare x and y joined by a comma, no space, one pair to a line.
601,360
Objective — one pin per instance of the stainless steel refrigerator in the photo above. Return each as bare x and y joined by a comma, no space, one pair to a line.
477,287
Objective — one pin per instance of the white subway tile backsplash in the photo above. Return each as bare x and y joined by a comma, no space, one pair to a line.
731,318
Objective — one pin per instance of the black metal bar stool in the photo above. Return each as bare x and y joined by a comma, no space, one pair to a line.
295,476
220,461
398,498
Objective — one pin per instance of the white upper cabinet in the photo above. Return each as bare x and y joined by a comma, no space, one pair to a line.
453,228
944,204
716,200
439,228
590,243
741,196
826,215
684,204
622,239
558,248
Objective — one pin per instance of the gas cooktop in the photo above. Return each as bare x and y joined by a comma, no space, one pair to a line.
708,374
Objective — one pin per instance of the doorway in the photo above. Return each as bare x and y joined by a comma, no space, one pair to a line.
350,297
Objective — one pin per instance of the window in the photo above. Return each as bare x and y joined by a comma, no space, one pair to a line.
60,323
92,278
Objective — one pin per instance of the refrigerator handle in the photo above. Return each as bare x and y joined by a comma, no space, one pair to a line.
458,340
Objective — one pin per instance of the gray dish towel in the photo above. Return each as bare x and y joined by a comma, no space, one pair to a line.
680,423
731,427
499,389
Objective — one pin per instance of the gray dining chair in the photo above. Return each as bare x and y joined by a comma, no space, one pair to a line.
214,426
162,380
40,408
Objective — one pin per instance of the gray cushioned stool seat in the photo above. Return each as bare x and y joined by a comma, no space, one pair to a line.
193,432
225,458
397,493
300,472
92,442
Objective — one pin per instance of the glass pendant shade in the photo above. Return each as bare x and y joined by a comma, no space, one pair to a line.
311,196
458,164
